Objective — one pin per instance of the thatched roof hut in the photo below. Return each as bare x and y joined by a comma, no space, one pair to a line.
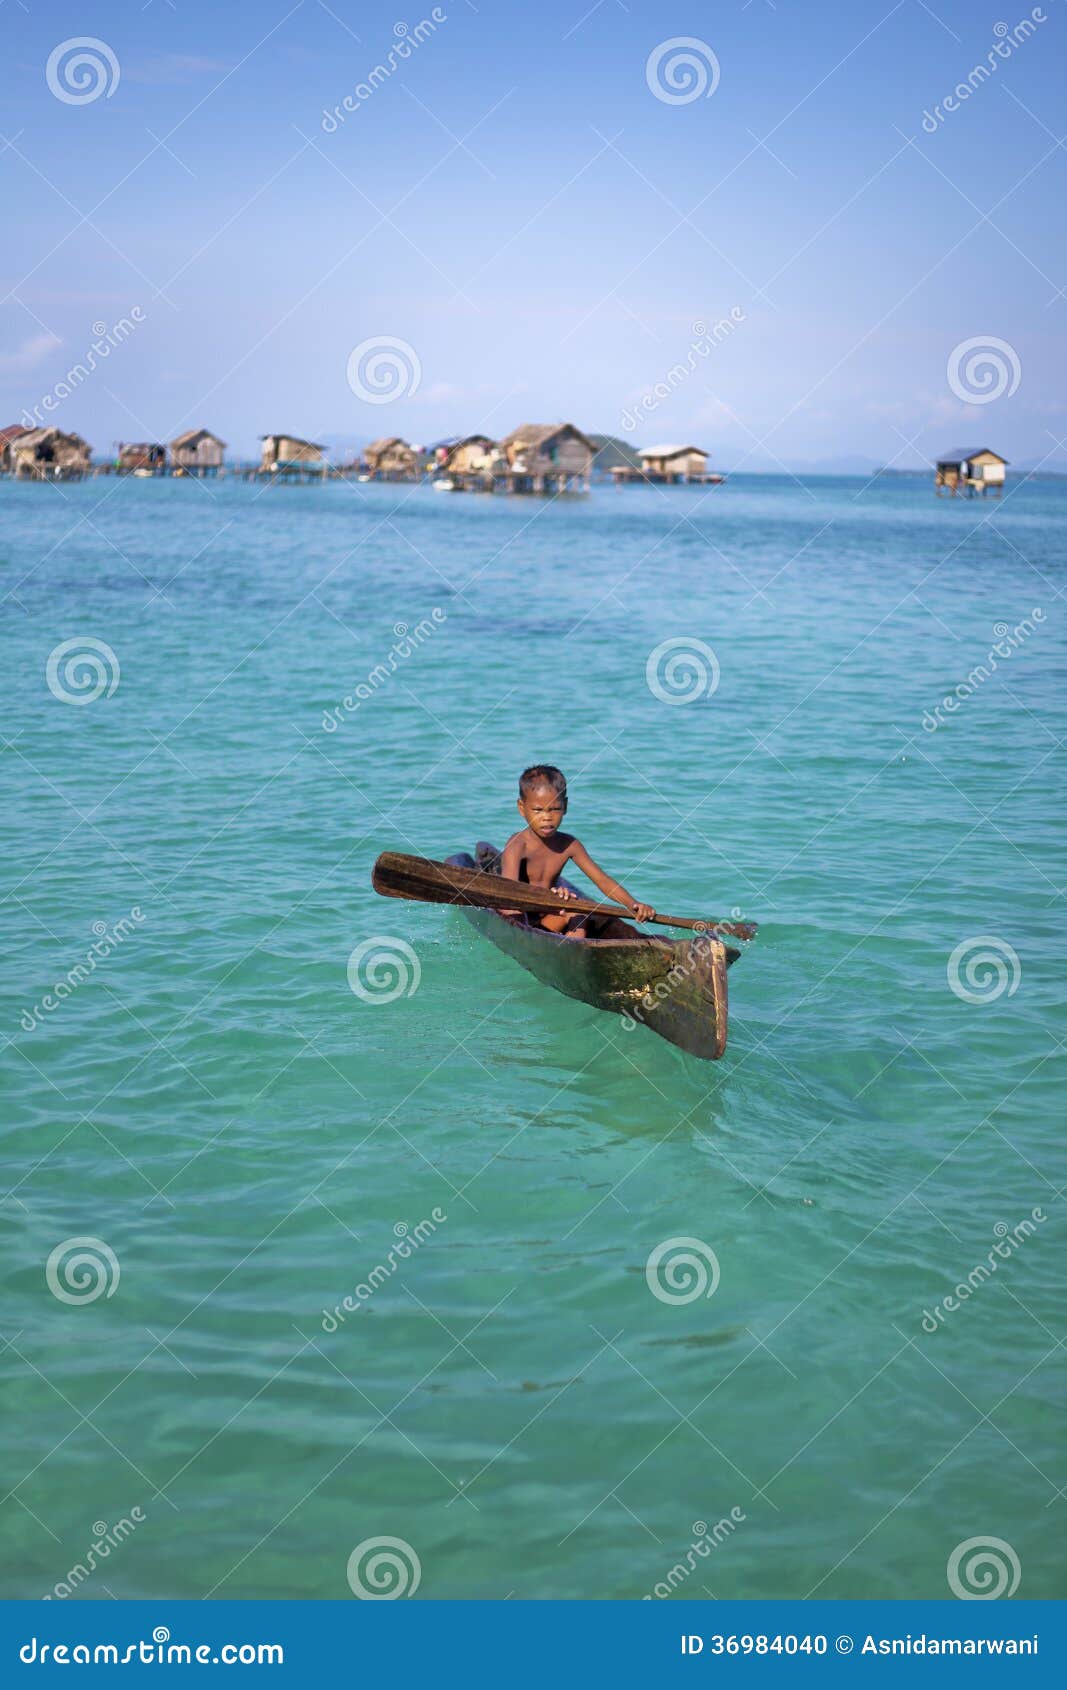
197,452
548,458
391,459
471,454
48,454
7,437
142,455
284,452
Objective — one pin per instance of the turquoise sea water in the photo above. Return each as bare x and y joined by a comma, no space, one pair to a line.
246,1137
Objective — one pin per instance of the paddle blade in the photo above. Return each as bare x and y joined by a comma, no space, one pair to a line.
397,875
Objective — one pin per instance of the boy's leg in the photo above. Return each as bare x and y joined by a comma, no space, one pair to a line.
577,928
553,923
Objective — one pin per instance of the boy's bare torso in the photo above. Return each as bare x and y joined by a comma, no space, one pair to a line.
538,862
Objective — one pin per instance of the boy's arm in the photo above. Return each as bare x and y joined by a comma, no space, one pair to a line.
611,888
511,864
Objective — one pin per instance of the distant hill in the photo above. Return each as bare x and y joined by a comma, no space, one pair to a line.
612,453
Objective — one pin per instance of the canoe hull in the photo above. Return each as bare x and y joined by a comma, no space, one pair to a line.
676,988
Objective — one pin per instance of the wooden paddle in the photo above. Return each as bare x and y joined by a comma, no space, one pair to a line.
397,875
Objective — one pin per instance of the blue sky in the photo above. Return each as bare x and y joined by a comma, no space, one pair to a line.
515,203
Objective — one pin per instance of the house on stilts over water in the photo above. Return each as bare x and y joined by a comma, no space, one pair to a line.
142,457
669,466
548,458
197,452
391,459
47,454
970,470
288,458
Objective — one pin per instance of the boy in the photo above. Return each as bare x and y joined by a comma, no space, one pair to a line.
538,854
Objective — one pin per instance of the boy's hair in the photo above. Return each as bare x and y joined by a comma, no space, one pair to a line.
543,774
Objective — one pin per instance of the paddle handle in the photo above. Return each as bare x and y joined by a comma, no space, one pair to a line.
586,906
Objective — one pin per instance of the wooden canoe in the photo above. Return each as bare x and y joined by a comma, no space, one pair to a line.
676,988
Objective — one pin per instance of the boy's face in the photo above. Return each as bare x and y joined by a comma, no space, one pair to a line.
542,809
